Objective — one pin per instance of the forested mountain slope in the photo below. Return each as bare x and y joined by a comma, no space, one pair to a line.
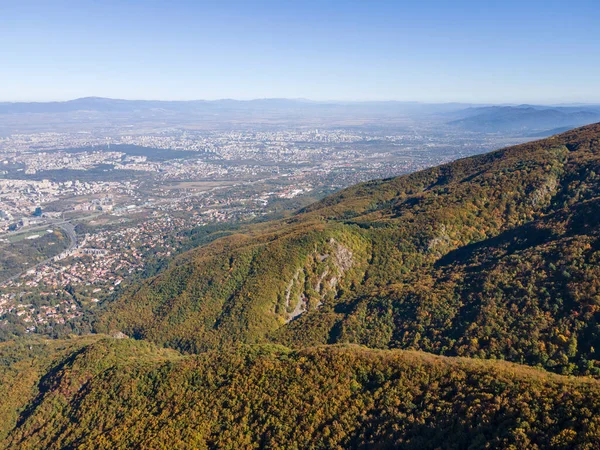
488,258
119,393
491,256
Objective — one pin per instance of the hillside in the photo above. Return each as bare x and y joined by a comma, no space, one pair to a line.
111,394
492,256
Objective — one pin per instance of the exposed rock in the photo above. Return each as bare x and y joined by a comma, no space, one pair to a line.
337,261
120,335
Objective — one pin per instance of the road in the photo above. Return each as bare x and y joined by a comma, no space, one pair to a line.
69,231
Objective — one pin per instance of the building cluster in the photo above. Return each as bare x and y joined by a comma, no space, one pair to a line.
22,201
34,162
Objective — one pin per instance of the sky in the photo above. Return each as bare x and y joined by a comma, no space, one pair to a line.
537,51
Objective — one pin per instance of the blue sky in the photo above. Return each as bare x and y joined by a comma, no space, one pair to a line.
435,51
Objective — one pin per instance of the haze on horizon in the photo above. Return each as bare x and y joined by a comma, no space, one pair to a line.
432,51
311,101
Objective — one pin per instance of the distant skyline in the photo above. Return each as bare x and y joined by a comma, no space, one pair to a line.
539,52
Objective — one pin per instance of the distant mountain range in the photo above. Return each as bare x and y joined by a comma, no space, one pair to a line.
100,104
519,120
525,118
93,112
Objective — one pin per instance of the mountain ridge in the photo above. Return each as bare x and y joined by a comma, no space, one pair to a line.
119,393
104,104
323,275
524,118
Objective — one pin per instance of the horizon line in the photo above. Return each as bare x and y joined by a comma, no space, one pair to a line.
307,100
